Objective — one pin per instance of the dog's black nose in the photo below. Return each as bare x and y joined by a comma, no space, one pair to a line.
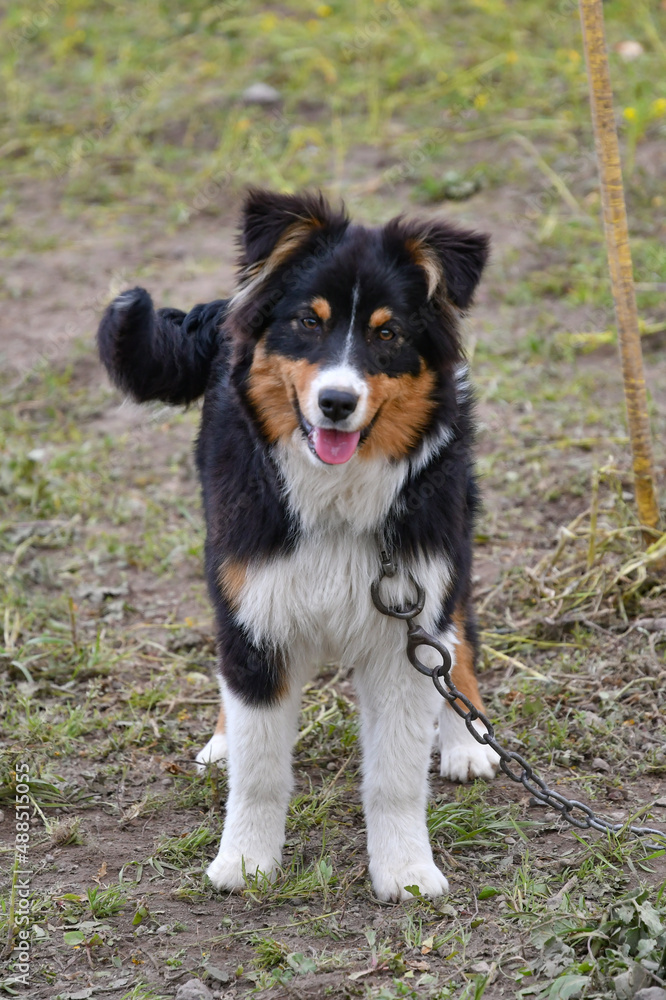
337,404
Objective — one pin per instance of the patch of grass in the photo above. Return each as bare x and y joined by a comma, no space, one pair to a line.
313,807
298,881
269,953
469,822
620,948
105,903
185,851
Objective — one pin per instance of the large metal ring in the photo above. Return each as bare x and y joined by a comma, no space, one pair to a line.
405,612
416,637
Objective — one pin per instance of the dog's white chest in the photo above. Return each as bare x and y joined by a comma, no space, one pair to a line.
318,596
319,593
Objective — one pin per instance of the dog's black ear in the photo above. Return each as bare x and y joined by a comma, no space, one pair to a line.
275,225
452,258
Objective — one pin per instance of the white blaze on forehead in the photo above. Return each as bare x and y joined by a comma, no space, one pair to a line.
345,378
350,332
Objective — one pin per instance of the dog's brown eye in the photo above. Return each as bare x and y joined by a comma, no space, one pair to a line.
386,334
310,323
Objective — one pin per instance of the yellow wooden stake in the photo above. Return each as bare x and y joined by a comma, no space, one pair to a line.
619,261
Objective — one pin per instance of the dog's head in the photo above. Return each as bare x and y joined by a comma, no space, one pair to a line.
353,331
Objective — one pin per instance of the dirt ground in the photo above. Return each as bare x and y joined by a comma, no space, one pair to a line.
113,563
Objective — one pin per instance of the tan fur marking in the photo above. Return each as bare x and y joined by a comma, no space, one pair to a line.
425,257
322,307
221,724
272,382
290,241
404,406
231,576
381,316
463,674
292,238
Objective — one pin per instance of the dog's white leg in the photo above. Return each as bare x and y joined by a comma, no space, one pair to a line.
216,749
260,782
398,710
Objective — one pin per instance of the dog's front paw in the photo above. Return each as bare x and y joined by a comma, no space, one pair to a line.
390,881
467,761
215,752
228,868
130,299
462,758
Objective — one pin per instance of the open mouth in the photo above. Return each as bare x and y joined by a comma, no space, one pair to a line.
329,445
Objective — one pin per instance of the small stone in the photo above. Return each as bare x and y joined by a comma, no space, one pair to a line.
599,764
218,974
622,984
651,993
164,929
661,803
193,989
480,968
628,50
261,93
331,766
2,816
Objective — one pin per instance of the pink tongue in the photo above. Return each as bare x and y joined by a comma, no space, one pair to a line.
334,447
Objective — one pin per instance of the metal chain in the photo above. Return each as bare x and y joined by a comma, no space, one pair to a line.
536,786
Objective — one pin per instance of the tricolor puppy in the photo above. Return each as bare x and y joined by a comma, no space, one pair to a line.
336,418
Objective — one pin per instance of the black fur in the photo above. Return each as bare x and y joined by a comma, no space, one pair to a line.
267,215
163,355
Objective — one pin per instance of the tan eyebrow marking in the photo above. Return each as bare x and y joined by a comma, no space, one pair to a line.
322,308
381,316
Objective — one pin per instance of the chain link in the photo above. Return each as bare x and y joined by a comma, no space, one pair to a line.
576,813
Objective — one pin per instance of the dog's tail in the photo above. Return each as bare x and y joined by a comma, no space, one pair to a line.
165,354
